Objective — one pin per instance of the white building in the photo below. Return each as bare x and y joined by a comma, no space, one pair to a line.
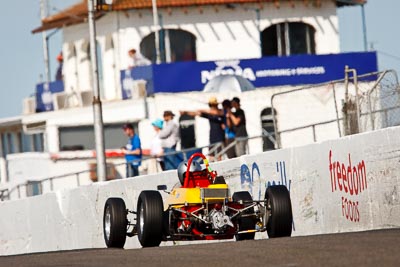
215,30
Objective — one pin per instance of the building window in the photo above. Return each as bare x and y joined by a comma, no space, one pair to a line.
26,143
10,142
38,145
33,188
268,129
82,137
4,146
288,38
175,45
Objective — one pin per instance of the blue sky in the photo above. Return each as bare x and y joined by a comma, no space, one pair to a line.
21,52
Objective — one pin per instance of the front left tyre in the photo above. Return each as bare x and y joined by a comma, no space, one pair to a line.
115,223
150,218
280,211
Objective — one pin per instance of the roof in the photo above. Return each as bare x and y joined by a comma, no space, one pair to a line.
340,3
72,15
78,13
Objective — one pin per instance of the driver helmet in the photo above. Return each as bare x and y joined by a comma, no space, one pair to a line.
183,166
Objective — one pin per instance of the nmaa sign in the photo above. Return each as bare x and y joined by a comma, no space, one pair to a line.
262,72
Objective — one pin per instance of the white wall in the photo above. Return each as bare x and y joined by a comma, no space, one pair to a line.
35,166
72,219
221,33
3,171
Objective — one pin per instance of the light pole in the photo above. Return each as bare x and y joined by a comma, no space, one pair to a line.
364,23
43,15
156,33
97,109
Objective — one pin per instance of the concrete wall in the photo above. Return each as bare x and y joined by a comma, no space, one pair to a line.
325,197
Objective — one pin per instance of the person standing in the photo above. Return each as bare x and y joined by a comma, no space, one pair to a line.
239,126
132,151
59,73
228,127
216,120
169,136
136,59
156,145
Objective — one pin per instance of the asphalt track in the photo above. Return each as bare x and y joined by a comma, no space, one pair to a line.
372,248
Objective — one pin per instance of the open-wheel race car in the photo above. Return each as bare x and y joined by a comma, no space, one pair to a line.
200,209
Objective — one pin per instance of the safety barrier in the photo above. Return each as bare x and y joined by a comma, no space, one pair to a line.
349,184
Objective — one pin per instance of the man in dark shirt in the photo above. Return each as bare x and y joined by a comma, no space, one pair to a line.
239,126
216,118
59,74
229,132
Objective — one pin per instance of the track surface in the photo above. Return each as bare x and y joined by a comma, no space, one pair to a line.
371,248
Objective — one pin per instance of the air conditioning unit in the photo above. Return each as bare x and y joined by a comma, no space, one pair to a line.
86,98
139,89
29,105
60,100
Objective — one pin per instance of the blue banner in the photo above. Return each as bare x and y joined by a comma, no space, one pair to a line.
262,72
44,98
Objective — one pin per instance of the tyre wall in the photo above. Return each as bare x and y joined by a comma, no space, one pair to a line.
349,184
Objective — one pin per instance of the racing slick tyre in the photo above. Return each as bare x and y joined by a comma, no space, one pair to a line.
150,218
245,223
280,217
115,223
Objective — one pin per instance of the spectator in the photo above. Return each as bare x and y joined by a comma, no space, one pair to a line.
156,146
136,59
239,126
132,151
59,73
215,117
169,136
228,127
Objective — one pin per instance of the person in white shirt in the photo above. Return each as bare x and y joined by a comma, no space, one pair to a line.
169,137
136,59
156,144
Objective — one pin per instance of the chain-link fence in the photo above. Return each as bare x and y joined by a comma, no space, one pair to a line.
337,108
380,104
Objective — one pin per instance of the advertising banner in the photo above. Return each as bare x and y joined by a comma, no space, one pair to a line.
262,72
44,98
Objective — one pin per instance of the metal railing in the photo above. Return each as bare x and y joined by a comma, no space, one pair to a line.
77,175
373,104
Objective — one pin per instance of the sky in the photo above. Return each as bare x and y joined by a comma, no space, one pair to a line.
21,53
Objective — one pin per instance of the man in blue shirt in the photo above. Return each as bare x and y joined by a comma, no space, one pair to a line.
132,151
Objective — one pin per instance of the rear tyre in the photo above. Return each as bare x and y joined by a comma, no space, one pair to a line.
150,218
280,208
245,223
115,223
